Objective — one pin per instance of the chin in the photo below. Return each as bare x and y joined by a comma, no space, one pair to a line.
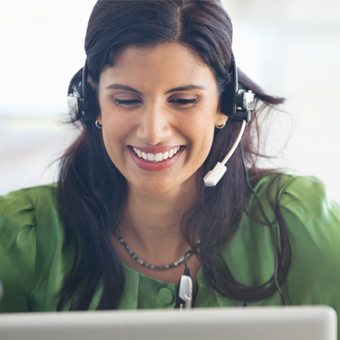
155,188
162,185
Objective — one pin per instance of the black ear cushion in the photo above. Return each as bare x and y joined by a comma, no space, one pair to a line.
83,107
92,108
228,99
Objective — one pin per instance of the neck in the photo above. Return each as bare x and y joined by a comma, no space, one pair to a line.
150,222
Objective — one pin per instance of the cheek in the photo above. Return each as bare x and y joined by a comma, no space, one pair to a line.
115,125
207,141
110,147
208,136
114,135
201,130
200,143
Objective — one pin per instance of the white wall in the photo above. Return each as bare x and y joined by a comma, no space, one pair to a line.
290,47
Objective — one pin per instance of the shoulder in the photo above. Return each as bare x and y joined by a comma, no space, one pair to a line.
30,236
20,209
28,207
311,217
279,183
300,198
293,193
27,199
312,221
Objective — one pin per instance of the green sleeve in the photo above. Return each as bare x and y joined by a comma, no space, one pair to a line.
34,259
17,250
313,222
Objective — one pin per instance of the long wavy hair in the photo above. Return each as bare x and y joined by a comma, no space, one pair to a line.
91,189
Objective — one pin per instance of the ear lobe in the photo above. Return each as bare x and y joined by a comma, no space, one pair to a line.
221,120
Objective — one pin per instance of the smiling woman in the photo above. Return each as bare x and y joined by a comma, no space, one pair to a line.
160,102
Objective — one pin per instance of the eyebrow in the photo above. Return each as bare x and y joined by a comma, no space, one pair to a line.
131,89
186,88
123,87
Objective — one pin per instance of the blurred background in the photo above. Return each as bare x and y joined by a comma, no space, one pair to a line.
290,47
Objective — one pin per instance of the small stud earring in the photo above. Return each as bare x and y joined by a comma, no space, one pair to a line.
98,125
221,126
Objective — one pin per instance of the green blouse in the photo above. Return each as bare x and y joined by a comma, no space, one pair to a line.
34,260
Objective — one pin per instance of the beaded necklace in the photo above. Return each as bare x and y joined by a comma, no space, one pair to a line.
149,266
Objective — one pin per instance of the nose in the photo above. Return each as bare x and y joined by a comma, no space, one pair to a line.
154,126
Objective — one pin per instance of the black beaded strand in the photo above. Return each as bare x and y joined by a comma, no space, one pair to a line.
149,266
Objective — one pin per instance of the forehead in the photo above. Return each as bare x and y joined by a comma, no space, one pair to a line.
167,64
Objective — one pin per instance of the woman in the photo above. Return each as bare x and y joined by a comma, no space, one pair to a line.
130,213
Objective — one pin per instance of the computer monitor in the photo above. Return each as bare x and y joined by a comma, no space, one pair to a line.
235,323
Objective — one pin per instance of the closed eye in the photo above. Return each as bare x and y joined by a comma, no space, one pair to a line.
126,101
184,102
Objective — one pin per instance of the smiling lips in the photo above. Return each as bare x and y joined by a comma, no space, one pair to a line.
149,159
158,157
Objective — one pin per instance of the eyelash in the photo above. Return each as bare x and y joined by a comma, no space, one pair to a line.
185,101
126,102
136,101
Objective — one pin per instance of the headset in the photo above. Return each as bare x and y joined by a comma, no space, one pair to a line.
243,103
77,100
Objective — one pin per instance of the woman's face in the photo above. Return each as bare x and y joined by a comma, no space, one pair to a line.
159,108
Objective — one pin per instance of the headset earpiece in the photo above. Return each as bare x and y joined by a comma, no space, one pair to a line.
243,101
78,103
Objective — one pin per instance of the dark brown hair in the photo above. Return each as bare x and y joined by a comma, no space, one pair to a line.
92,190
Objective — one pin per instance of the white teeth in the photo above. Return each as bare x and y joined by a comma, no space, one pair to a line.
158,157
151,157
138,152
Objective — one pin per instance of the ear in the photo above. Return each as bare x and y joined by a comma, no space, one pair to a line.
221,120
